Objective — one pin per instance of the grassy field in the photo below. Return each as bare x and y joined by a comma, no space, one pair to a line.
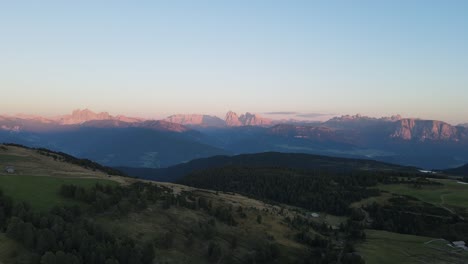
42,192
31,162
382,199
451,193
37,178
7,159
383,247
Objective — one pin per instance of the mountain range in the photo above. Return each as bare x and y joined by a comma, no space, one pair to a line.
429,144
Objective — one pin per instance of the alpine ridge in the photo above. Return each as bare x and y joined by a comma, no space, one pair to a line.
247,119
196,120
79,116
396,139
422,130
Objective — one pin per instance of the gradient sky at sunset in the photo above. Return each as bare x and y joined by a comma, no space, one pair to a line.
154,58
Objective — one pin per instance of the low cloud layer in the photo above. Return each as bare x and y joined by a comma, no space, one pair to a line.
281,113
312,115
299,115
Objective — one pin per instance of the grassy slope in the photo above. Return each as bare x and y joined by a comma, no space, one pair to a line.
42,193
30,162
450,194
387,247
383,247
37,178
36,181
182,222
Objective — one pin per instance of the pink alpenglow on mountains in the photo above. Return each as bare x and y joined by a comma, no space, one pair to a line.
422,130
348,128
246,119
232,119
81,116
196,120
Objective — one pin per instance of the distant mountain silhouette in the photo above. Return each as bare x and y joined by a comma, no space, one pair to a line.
157,125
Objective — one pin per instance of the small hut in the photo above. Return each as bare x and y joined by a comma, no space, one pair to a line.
460,244
10,169
314,215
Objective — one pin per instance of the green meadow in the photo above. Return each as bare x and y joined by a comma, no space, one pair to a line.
382,247
41,192
451,193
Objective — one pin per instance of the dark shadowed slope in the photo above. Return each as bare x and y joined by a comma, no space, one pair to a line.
460,171
267,159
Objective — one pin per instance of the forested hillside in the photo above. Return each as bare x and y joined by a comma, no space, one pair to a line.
319,190
329,165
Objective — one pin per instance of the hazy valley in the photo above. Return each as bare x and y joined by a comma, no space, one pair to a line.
144,143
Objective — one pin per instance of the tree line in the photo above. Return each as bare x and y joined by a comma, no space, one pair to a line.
407,215
62,235
315,191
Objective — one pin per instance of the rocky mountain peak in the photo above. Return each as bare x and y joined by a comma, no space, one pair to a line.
232,119
392,118
423,130
196,120
79,116
344,118
247,119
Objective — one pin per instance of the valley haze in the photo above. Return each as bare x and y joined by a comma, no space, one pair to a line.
429,144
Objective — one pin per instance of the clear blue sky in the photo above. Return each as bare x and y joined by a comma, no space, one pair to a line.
154,58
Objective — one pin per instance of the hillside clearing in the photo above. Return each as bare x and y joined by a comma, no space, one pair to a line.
382,247
42,193
451,195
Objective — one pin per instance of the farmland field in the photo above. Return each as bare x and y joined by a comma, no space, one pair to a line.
451,193
383,247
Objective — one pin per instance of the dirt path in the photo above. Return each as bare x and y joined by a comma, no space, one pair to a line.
448,209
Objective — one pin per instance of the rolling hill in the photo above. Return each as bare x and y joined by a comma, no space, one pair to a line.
267,159
127,220
460,171
156,222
